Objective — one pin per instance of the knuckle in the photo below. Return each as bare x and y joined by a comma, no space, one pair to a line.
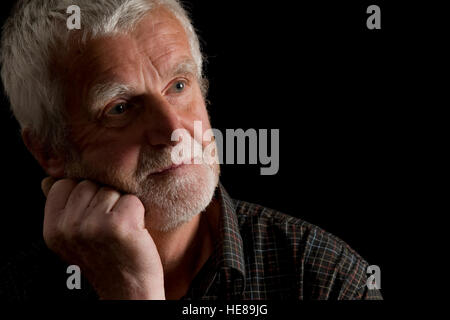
105,194
85,185
133,202
63,183
82,189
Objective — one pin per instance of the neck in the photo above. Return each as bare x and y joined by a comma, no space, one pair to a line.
184,250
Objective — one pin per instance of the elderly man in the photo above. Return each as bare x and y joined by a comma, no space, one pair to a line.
98,107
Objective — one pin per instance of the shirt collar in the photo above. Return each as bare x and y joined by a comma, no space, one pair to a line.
227,260
230,248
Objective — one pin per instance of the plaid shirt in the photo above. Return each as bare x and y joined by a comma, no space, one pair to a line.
265,254
260,254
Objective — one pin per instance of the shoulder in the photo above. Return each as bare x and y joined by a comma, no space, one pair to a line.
326,266
294,229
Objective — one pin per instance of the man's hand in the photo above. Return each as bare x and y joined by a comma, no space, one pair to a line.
104,233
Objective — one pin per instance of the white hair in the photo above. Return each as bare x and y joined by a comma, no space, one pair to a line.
36,34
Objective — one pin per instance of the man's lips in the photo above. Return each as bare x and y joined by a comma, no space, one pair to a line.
172,167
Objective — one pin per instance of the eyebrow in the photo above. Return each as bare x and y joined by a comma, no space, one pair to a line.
103,92
186,66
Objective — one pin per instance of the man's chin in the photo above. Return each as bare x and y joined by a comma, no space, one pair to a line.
172,199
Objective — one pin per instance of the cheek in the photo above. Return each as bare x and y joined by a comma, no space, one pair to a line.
122,158
103,149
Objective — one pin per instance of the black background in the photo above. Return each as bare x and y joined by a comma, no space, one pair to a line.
334,89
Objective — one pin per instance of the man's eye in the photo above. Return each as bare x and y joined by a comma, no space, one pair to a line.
119,109
178,87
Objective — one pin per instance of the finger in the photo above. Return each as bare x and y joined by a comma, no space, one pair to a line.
80,198
104,200
46,184
130,208
56,202
58,195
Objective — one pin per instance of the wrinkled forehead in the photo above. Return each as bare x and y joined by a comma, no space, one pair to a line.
159,38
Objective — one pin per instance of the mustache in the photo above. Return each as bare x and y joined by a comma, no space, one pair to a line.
152,160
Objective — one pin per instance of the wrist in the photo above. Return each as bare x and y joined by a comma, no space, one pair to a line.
135,290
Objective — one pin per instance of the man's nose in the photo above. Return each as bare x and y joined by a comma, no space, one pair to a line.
161,119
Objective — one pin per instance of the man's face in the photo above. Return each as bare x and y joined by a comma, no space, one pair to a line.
126,94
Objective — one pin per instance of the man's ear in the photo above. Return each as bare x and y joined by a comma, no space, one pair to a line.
51,161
